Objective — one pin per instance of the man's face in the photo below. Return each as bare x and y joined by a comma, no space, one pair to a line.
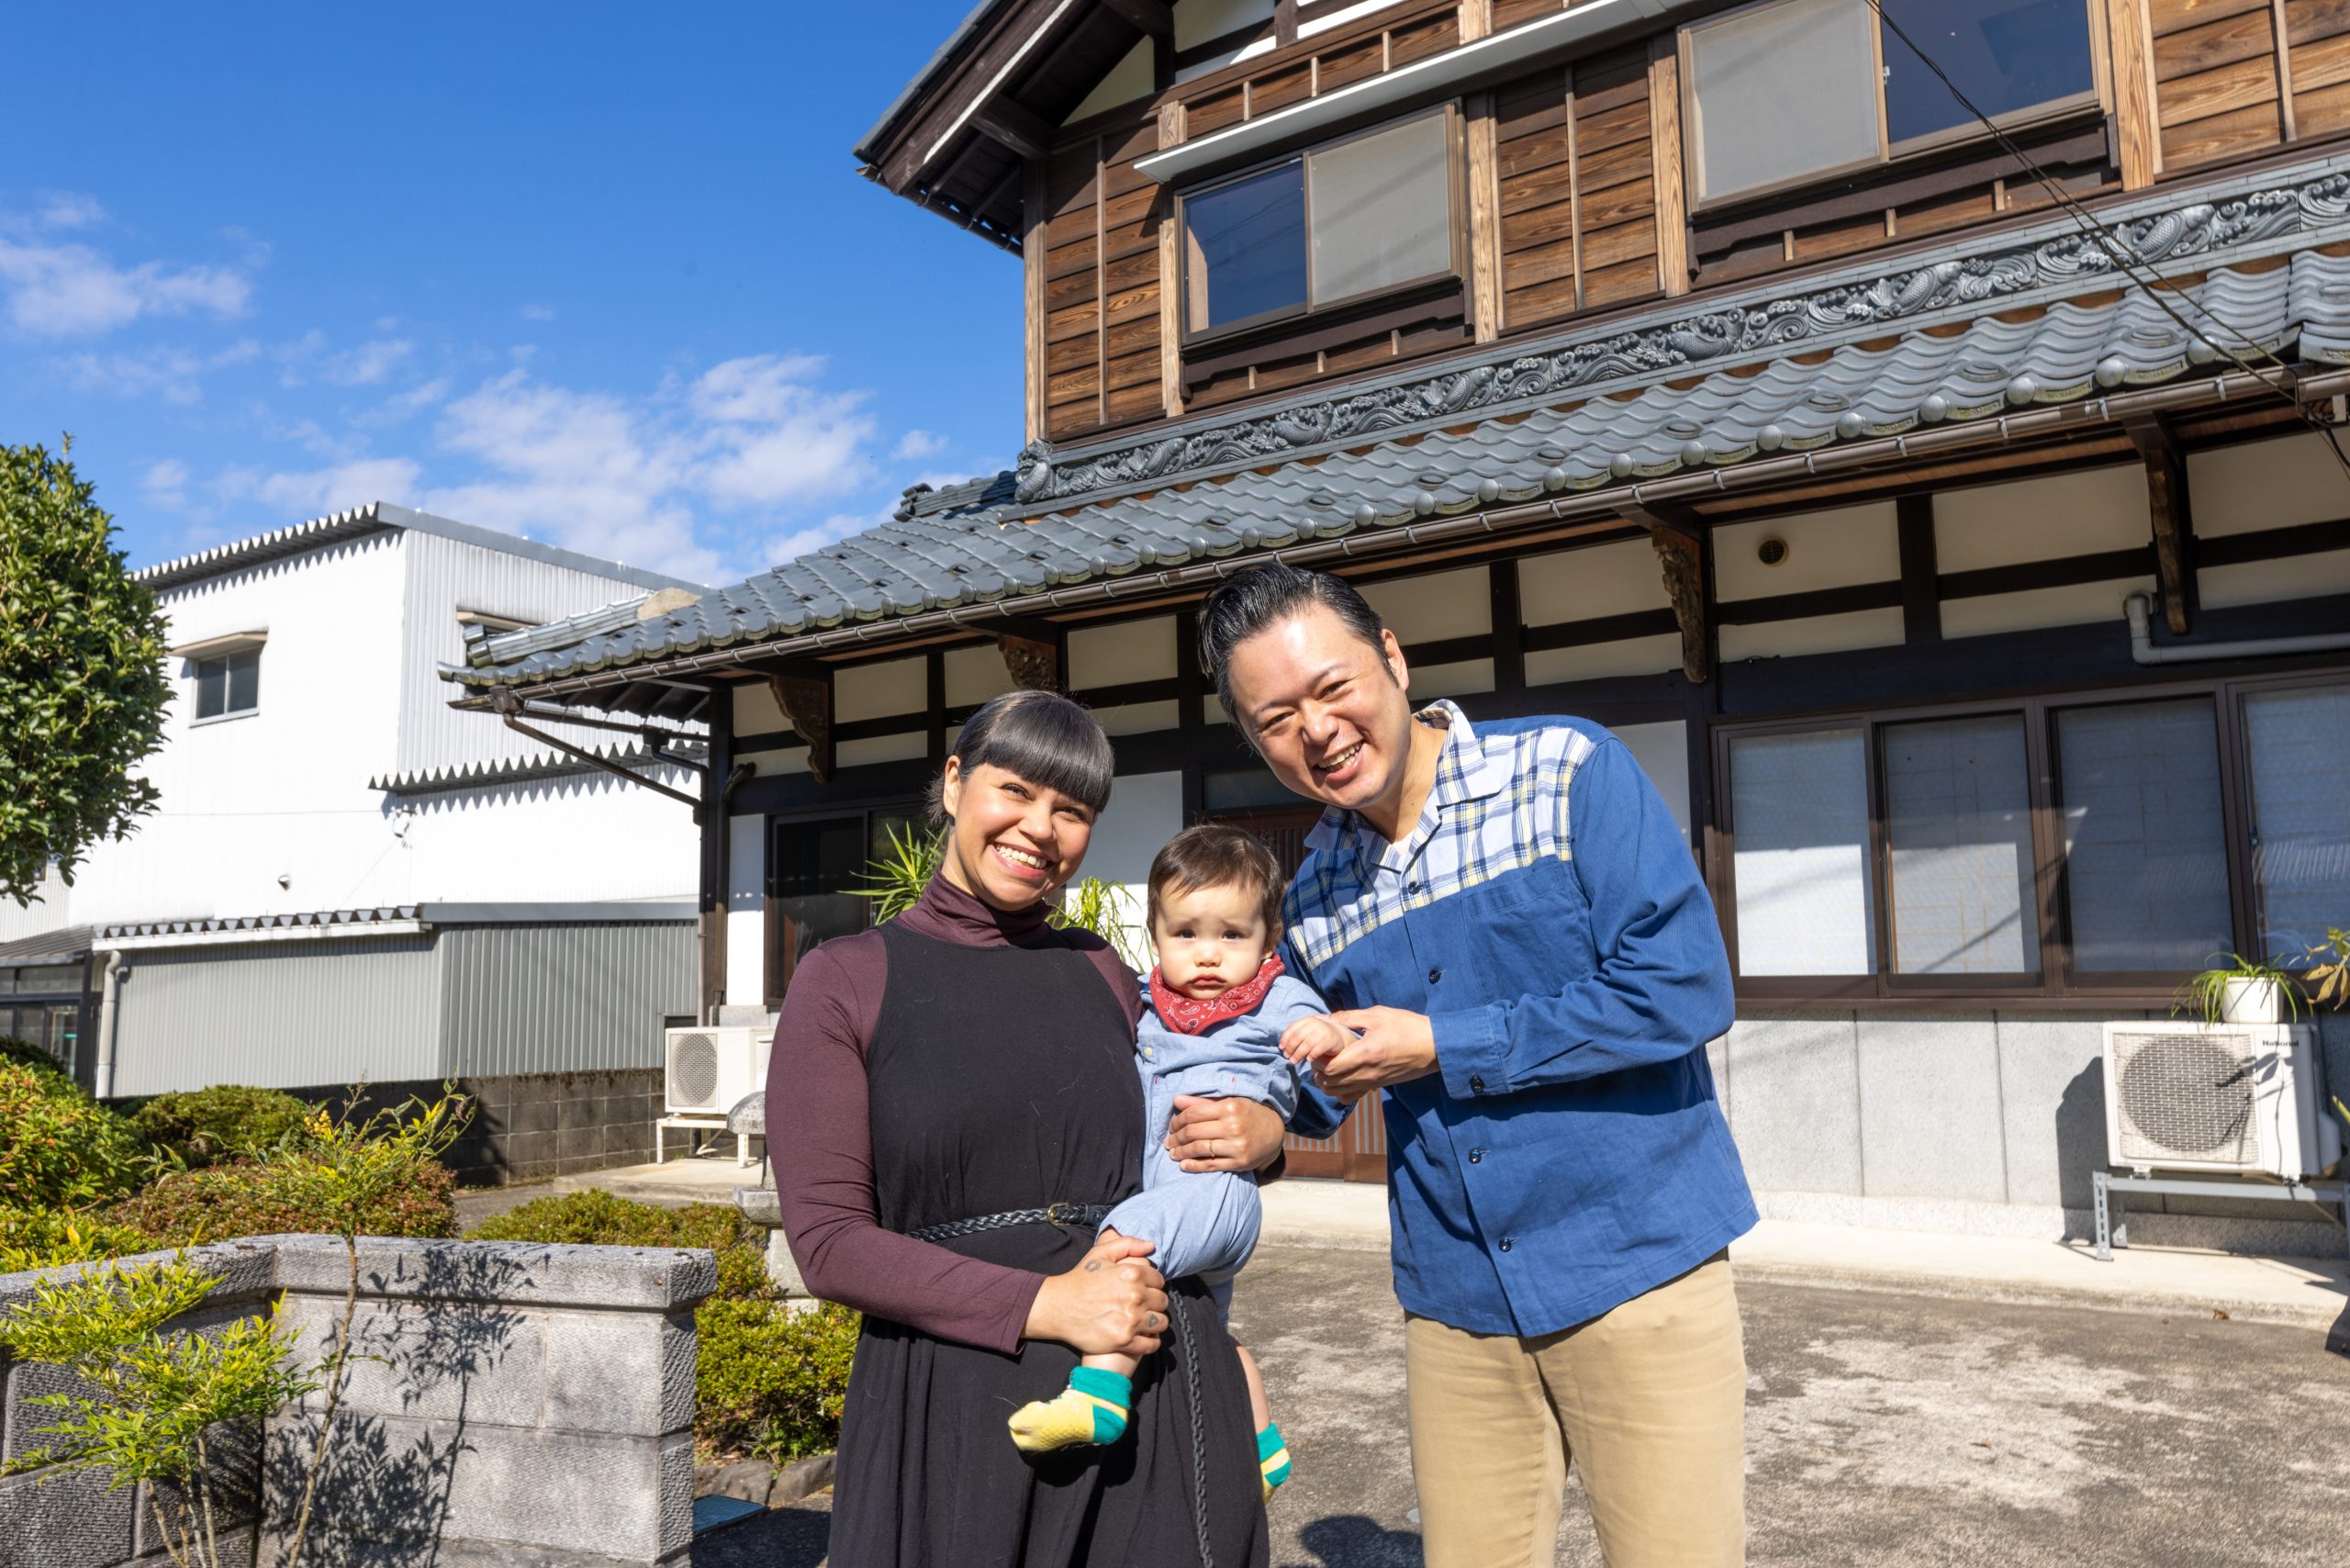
1328,712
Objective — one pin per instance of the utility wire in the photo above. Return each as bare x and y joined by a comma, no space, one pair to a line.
2150,281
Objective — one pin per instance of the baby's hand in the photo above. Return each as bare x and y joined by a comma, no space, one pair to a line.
1314,1039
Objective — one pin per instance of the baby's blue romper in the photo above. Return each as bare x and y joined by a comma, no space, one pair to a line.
1205,1222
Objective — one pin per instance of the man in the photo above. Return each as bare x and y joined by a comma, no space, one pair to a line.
1507,916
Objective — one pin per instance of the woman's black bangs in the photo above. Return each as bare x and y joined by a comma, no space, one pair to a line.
1052,741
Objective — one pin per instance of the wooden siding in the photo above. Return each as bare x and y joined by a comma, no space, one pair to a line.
1578,188
1338,58
1101,282
2225,87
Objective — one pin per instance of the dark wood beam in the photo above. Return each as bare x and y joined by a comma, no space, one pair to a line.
717,855
2174,521
1509,627
1017,127
1154,17
1921,607
807,702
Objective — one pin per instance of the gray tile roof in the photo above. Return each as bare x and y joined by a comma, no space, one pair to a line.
966,545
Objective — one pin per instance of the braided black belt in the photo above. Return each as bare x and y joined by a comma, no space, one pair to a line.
1089,1214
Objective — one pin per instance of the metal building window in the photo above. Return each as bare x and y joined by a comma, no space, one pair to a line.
1366,215
228,684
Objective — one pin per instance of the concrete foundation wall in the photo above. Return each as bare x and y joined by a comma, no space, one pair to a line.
513,1403
1988,1123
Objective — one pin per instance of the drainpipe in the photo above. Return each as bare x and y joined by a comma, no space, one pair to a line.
2139,608
109,989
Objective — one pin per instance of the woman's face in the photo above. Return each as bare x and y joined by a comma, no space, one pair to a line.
1010,843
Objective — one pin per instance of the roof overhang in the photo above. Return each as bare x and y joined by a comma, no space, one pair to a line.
222,647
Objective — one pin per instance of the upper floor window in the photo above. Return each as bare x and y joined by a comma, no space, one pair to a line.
227,684
1359,217
1794,90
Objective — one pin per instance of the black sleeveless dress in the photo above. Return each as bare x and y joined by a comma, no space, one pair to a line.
1002,1077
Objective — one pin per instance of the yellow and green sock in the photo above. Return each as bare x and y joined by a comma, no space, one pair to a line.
1272,1458
1091,1410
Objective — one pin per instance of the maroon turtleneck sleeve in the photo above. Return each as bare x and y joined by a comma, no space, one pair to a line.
820,1138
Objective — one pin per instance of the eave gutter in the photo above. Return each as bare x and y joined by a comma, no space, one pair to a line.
1588,505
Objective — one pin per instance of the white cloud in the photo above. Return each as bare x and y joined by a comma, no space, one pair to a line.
175,374
63,290
772,437
916,444
165,483
70,209
537,313
319,491
368,364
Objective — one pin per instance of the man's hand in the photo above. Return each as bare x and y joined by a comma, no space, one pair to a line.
1222,1134
1395,1048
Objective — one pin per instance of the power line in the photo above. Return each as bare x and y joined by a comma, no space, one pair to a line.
2149,281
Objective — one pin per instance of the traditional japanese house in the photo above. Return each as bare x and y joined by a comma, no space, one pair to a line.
1913,426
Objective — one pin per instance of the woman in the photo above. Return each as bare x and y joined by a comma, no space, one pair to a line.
968,1062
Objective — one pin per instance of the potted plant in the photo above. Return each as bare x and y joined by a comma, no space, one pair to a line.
2242,990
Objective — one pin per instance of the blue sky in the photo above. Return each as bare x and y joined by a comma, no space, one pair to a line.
601,274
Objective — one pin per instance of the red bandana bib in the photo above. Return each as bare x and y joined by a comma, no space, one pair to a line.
1198,1014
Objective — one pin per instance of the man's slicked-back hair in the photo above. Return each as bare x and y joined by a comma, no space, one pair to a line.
1042,737
1258,597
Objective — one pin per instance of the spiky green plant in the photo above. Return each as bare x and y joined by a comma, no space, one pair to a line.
2206,994
895,879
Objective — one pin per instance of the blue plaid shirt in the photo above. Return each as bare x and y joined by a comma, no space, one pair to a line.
1569,1153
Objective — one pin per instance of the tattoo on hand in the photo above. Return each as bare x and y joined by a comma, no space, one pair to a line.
1095,1267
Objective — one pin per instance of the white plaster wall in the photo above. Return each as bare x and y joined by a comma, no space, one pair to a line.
1632,655
1439,606
746,932
903,747
579,839
2074,604
1139,717
2264,582
757,711
880,691
1597,580
2042,519
2266,484
1816,634
1827,549
1196,21
1118,655
1145,810
1462,679
1128,80
974,674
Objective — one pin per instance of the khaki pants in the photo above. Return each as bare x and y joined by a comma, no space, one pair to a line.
1648,1403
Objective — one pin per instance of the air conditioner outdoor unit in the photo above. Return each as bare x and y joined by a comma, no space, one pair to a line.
708,1069
2233,1097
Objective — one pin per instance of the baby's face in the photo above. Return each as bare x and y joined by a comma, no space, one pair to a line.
1210,939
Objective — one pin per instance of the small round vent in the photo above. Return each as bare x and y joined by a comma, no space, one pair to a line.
693,1069
2187,1095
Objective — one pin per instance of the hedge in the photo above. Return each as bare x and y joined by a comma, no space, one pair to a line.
252,1197
211,1124
60,1149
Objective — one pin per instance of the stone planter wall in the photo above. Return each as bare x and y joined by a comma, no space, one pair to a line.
523,1404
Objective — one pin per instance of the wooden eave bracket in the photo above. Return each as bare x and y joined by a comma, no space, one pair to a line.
806,704
1679,540
1034,665
1016,127
2172,521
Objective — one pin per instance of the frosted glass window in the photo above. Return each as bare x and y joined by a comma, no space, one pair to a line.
1800,808
2146,844
1382,209
2006,57
1958,825
1783,92
2300,747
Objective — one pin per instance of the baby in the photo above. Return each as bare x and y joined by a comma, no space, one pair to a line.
1219,1004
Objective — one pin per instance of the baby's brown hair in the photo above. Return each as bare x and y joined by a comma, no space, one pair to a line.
1215,855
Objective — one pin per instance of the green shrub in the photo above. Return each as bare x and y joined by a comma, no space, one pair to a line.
24,1053
44,1239
596,1218
769,1382
212,1124
60,1149
255,1197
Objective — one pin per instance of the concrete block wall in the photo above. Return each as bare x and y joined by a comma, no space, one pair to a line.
533,1127
516,1404
1983,1124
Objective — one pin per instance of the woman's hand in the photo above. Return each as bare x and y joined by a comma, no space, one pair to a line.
1112,1304
1224,1134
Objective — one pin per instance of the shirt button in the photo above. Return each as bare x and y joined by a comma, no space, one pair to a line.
1476,1084
1476,1157
1435,975
1505,1243
1412,887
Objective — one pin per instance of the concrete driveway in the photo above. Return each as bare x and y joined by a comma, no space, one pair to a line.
1882,1428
